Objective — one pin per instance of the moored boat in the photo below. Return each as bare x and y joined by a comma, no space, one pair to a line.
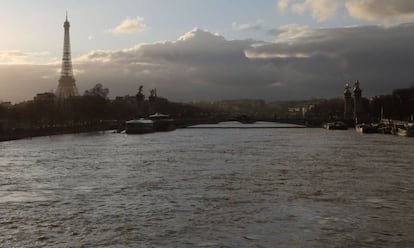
366,128
139,126
385,129
162,122
406,131
337,125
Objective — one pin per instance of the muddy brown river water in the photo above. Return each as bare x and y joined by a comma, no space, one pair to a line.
208,188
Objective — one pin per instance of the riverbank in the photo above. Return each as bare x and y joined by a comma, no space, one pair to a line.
23,133
15,133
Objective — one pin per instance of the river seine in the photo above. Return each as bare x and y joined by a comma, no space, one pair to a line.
208,188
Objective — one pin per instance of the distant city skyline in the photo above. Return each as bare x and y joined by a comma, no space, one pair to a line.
209,50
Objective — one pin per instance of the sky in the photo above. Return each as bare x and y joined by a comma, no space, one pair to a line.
197,50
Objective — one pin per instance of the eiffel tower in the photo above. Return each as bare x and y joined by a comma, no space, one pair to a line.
67,86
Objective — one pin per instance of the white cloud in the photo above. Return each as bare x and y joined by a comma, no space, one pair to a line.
283,5
385,10
190,34
302,62
321,10
20,57
204,65
101,56
275,55
292,32
131,25
248,26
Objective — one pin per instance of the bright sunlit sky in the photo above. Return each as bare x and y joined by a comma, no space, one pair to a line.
36,26
228,48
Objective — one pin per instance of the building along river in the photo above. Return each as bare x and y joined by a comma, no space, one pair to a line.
208,188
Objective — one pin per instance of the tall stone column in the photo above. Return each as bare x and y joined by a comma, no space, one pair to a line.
357,100
348,109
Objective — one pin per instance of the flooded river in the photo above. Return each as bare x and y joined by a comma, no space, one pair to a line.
208,188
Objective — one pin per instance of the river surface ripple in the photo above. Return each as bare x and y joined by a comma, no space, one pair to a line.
208,188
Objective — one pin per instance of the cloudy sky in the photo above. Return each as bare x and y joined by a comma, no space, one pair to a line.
209,50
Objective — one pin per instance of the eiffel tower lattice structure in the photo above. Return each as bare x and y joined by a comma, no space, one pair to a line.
66,87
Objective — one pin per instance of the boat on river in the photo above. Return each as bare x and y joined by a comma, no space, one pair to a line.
337,125
154,123
385,129
406,130
162,122
139,126
366,128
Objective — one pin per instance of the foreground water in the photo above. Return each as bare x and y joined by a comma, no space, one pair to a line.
208,188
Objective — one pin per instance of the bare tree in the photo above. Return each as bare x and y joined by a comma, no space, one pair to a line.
97,90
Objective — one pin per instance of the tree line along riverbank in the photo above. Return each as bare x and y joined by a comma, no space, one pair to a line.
94,111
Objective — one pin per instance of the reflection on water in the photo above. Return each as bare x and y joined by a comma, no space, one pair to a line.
208,188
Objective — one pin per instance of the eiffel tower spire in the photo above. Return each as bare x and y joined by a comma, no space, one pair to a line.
67,86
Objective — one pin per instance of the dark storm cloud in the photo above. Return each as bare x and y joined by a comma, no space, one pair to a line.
199,65
318,59
301,63
388,11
